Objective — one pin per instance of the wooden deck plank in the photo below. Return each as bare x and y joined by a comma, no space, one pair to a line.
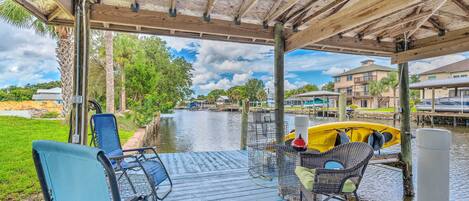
221,175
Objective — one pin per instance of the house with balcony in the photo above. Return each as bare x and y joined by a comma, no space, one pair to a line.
355,83
454,70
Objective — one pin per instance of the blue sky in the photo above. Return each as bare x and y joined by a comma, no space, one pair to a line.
26,57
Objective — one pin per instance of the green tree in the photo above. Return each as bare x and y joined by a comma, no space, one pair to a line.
213,95
14,14
300,90
126,45
328,86
236,93
252,87
391,81
376,89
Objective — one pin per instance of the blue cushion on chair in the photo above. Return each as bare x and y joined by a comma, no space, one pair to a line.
333,165
156,170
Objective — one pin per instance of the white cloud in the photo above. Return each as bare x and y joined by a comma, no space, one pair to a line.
26,57
179,43
420,66
334,71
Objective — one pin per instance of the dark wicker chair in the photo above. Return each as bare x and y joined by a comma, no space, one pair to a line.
353,157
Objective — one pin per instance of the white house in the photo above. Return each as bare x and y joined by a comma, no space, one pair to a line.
54,94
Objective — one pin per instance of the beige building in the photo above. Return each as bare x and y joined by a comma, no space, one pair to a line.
355,83
454,70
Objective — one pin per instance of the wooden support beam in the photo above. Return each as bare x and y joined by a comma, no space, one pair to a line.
279,78
281,11
450,43
301,11
66,6
151,22
324,9
406,135
273,9
243,9
54,14
208,9
32,9
452,15
172,8
462,5
437,4
348,18
436,23
397,23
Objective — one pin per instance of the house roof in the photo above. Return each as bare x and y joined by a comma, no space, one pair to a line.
316,94
451,68
40,97
366,68
56,90
443,83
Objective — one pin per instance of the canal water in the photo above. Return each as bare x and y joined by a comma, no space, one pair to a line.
185,131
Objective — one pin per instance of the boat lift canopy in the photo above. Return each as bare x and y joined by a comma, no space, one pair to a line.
442,83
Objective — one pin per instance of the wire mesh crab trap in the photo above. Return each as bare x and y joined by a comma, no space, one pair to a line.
266,159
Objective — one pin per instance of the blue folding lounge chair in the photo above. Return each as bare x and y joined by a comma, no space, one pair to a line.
106,137
74,173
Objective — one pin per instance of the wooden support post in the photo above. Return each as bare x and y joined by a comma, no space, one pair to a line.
406,136
244,123
279,51
80,82
279,76
342,106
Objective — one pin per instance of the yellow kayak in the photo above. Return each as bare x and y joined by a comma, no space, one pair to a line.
326,136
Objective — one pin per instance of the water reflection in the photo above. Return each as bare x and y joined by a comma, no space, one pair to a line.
186,131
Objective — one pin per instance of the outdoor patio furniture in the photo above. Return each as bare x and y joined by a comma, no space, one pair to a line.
105,135
75,172
335,173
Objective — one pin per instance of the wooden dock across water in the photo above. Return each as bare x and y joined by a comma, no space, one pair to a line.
216,175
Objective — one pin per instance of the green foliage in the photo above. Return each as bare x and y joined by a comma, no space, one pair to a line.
328,86
26,92
51,114
213,95
236,93
154,81
303,89
353,106
252,88
376,88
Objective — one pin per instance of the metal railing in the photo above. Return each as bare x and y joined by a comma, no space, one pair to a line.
364,79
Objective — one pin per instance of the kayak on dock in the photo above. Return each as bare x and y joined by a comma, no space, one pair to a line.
326,136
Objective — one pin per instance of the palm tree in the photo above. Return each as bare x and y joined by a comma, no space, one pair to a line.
392,82
108,43
376,89
13,13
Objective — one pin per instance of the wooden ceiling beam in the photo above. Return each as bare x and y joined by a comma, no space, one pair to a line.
462,5
301,11
324,9
397,23
351,17
172,8
243,9
272,9
436,23
437,5
280,11
208,9
66,6
445,47
54,14
153,22
452,15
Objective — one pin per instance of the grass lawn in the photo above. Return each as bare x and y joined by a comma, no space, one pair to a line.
18,178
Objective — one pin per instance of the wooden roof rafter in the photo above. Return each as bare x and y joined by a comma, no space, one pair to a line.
462,5
243,9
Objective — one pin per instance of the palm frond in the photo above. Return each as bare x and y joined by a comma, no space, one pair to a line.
13,13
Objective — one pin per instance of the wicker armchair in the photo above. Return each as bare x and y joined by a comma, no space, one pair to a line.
353,157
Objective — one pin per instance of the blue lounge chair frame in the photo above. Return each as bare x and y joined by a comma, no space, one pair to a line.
55,160
123,163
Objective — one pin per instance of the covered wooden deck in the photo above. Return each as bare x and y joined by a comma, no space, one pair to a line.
216,175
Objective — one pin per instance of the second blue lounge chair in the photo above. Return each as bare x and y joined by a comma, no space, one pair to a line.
106,137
